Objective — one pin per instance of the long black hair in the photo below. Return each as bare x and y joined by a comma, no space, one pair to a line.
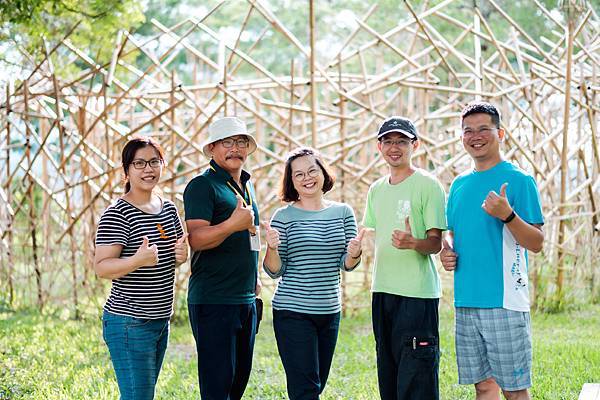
132,146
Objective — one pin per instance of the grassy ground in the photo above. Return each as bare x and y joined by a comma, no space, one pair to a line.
46,357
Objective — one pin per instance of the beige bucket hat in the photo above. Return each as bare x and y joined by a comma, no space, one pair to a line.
226,127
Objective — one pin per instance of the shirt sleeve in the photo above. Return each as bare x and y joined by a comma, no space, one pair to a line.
277,223
177,222
434,213
369,216
113,228
199,199
350,232
528,205
449,209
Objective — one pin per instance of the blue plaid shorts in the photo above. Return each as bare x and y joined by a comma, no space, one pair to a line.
494,343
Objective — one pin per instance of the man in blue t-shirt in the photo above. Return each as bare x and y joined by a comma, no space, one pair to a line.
494,217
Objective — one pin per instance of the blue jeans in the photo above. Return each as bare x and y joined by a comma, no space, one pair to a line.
224,335
137,349
306,343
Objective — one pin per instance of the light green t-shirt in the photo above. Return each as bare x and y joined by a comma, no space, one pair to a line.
405,272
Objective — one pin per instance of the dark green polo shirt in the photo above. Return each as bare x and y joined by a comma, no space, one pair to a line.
225,274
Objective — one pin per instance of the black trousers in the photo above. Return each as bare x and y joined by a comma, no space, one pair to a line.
407,343
224,337
306,343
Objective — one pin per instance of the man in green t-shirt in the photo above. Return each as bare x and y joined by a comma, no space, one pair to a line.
406,209
222,218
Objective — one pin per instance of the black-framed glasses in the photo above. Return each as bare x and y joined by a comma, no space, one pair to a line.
399,142
141,164
241,143
313,173
483,131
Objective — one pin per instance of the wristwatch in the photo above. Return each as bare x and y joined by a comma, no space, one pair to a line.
509,218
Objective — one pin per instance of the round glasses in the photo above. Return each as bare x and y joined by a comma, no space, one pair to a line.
141,164
313,173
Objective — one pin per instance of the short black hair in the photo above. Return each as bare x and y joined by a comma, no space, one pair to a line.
287,192
481,107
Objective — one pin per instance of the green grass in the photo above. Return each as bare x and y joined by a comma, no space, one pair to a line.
46,357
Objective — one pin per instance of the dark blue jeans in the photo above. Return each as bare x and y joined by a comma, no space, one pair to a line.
306,343
407,340
224,335
137,349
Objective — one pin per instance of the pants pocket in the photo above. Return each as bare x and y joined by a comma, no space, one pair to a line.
421,352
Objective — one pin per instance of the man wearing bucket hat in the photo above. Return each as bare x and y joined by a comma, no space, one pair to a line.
222,218
406,209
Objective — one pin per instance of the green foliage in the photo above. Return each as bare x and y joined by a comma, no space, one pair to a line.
28,22
52,357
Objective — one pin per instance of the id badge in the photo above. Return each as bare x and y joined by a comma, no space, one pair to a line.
255,239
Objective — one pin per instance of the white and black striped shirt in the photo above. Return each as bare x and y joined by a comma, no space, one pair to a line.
146,292
312,251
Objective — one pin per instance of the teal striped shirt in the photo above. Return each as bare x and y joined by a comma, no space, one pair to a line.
312,251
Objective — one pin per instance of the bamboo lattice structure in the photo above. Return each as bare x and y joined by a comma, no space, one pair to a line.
61,135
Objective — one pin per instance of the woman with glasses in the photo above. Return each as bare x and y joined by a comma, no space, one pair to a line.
139,242
309,242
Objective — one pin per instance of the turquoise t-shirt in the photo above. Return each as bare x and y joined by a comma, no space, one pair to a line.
405,272
491,270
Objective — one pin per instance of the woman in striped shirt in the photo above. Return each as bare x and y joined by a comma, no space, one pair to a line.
308,243
139,242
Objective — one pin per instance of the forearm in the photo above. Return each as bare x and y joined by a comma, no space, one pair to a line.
209,237
272,261
529,236
114,268
429,245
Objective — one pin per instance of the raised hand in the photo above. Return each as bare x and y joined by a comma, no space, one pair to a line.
355,244
403,239
448,256
242,217
181,249
497,205
271,236
146,254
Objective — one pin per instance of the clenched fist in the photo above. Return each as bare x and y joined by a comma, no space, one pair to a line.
146,254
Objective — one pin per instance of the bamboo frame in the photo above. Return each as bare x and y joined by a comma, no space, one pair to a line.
62,134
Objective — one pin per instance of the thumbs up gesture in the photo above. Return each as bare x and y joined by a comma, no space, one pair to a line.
146,254
355,244
497,205
448,256
403,239
242,217
181,249
271,236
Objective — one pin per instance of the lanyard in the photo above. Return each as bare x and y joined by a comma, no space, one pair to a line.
243,195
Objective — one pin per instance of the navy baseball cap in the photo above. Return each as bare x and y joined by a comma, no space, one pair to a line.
397,124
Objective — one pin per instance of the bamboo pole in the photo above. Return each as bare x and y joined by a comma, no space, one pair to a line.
313,89
564,166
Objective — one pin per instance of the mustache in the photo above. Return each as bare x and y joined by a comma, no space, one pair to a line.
234,156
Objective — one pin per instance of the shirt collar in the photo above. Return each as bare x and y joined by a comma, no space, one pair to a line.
226,176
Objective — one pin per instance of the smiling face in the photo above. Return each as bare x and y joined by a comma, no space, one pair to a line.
397,149
307,177
231,159
481,139
146,178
